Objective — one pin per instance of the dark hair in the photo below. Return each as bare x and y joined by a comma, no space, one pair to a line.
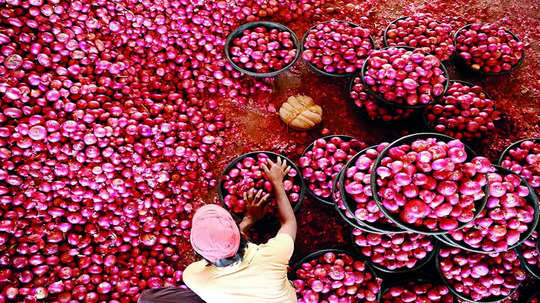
224,262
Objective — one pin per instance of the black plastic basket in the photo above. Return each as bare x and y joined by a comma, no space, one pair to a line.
273,156
347,200
514,145
269,25
342,212
319,253
479,204
420,280
531,199
394,104
382,269
461,296
344,75
464,66
328,200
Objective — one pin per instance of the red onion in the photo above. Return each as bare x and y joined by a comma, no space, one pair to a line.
405,77
523,159
417,291
337,47
530,252
488,48
321,163
422,31
263,50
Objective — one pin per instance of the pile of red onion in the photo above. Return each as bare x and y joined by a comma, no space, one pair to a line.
106,143
375,109
248,174
524,159
337,47
530,253
263,50
417,291
422,31
429,184
506,219
488,48
405,77
465,112
323,161
335,277
481,276
394,252
357,185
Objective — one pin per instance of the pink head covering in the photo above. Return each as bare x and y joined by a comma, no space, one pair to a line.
214,234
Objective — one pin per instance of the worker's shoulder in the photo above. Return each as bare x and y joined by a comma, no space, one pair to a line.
194,271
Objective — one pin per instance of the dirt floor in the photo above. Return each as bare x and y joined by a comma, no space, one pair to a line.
256,126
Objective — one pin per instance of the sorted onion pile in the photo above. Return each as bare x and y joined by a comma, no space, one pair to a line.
430,185
394,251
481,276
464,112
321,163
404,77
263,50
422,31
507,217
335,277
488,48
337,47
357,184
524,160
248,174
417,291
375,109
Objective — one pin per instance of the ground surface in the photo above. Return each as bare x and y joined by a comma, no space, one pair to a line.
258,127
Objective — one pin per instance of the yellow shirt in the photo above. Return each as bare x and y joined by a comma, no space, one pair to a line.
261,276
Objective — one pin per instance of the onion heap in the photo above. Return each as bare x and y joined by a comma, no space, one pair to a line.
324,160
404,77
337,47
393,251
464,112
422,31
429,185
106,143
525,161
248,174
375,109
417,291
335,277
481,276
529,251
263,50
488,48
508,215
357,185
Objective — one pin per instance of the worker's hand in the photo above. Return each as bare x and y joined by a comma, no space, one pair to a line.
276,171
256,208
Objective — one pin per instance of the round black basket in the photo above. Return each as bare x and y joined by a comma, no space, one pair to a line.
461,296
416,279
417,106
479,204
273,156
347,200
534,270
382,269
344,75
269,25
461,63
514,145
328,200
531,199
319,253
470,84
342,212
